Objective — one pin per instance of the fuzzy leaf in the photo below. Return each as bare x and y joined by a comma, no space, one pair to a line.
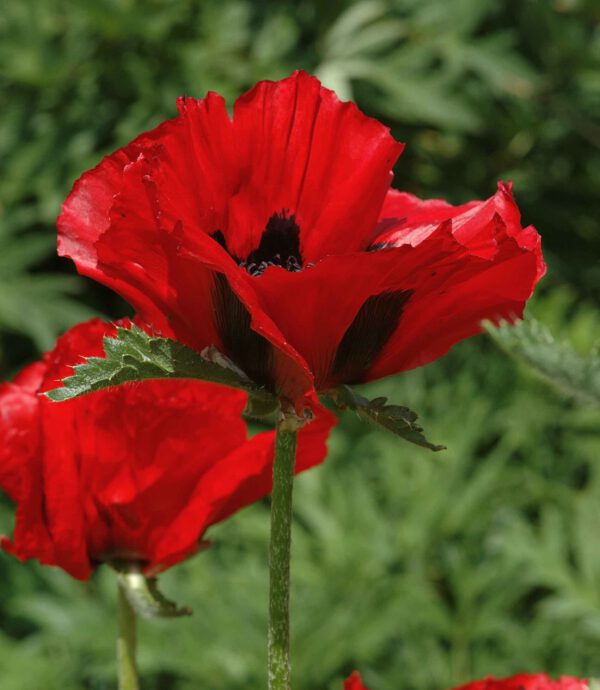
397,419
573,374
136,356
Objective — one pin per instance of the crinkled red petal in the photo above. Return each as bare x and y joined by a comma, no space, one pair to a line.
480,264
302,150
18,437
238,480
110,475
22,441
408,220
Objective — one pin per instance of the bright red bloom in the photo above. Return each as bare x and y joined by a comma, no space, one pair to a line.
523,681
354,682
136,472
274,236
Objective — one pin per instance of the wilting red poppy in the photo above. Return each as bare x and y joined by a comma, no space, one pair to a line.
133,473
523,681
274,236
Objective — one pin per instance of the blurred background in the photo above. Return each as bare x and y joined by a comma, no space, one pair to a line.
421,570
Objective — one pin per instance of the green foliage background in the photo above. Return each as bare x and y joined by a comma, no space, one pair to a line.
421,570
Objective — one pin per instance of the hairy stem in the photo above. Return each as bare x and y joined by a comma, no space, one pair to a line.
279,555
126,644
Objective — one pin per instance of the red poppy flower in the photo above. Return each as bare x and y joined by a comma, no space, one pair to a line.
354,682
274,236
523,681
136,472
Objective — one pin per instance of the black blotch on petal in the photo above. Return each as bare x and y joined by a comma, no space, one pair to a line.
367,335
250,351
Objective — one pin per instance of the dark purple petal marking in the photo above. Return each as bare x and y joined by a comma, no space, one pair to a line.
250,351
367,335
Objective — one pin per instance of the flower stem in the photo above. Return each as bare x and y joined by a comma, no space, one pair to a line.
279,555
126,644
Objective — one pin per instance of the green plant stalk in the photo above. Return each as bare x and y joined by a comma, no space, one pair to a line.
126,643
279,666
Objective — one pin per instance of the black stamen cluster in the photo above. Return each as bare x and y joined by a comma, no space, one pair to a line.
279,246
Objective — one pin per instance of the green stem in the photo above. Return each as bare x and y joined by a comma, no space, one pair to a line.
126,644
279,555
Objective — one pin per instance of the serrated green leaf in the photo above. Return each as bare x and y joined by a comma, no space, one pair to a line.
397,419
136,356
529,342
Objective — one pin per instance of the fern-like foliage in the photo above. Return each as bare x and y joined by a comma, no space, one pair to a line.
37,305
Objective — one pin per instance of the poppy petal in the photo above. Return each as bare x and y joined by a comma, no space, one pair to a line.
428,285
21,476
238,307
354,682
487,269
527,681
322,160
239,479
103,477
18,410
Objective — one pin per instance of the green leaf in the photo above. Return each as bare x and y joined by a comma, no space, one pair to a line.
136,356
575,375
147,600
397,419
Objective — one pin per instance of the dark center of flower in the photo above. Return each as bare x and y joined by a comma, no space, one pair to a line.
370,331
279,246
